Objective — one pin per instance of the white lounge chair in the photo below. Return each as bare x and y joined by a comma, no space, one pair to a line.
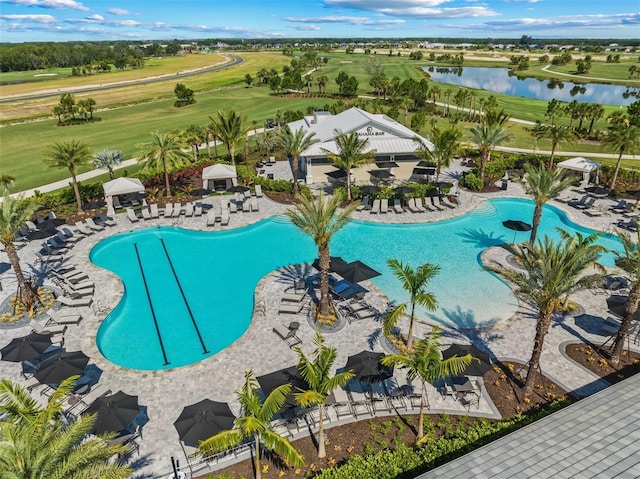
57,318
224,218
177,209
364,204
154,210
92,224
397,206
197,210
132,215
384,205
105,220
39,327
293,297
168,210
289,308
246,208
233,207
287,335
78,302
375,209
83,228
254,204
188,210
146,214
258,191
211,217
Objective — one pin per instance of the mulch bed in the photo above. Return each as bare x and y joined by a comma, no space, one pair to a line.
284,198
597,360
368,436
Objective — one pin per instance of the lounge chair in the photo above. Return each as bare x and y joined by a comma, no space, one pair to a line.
85,400
411,204
168,210
254,204
59,245
292,297
621,207
31,225
70,235
154,210
579,202
419,205
361,314
40,327
364,204
83,228
246,208
48,249
589,203
67,239
290,308
131,215
397,206
247,194
197,210
48,258
62,319
434,204
146,214
600,210
211,217
177,210
188,210
566,198
78,302
384,205
105,220
287,335
375,209
92,224
233,207
445,202
258,191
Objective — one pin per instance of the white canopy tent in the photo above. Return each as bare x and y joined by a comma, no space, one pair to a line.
219,176
120,186
583,165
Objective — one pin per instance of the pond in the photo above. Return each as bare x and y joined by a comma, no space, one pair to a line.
501,80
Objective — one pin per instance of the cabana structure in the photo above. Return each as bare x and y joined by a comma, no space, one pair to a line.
582,165
393,143
219,177
120,186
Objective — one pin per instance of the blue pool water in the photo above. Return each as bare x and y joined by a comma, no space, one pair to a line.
209,305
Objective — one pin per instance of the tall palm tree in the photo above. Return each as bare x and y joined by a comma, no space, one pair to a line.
493,116
38,442
542,184
320,219
487,137
231,130
211,131
446,144
556,134
551,272
623,138
424,362
162,153
13,213
414,281
71,155
629,261
352,152
293,143
316,371
108,160
253,423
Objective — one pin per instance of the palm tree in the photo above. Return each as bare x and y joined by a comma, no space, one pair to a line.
425,363
108,160
551,272
294,143
493,116
38,442
623,138
211,131
162,153
542,184
414,281
629,261
555,133
320,219
254,424
13,213
316,371
351,154
446,144
231,130
487,137
71,155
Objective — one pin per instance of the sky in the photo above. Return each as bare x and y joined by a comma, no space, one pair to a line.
66,20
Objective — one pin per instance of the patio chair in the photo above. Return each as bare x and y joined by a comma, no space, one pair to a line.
188,210
146,214
105,220
364,204
168,210
197,210
600,210
92,224
589,203
233,207
60,319
258,191
384,205
48,249
246,208
579,202
59,330
154,210
247,194
77,302
85,400
31,225
419,205
375,208
211,217
224,217
47,258
434,204
292,297
177,210
83,228
116,203
132,216
254,204
444,200
288,336
67,239
397,206
289,308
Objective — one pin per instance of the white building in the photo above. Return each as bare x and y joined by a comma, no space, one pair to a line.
392,142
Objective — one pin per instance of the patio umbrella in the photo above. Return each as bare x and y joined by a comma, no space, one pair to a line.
478,367
26,347
290,375
442,184
356,271
371,189
367,368
403,190
337,174
597,191
423,171
200,192
114,412
62,366
238,189
50,223
41,233
93,205
202,420
516,225
387,164
335,262
137,196
424,164
381,174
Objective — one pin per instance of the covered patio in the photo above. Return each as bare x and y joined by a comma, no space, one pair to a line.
219,177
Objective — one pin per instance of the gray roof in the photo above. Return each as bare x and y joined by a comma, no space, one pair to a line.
598,436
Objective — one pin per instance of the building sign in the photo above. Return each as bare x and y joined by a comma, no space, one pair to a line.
371,131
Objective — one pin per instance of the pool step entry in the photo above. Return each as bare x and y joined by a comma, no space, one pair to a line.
484,210
282,219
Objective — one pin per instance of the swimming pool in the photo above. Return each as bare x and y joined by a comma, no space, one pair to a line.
189,294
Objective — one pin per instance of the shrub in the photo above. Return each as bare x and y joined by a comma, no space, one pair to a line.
471,181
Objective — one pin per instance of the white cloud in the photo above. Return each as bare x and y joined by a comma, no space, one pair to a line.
96,18
118,11
55,4
420,9
556,24
30,18
339,19
520,1
125,23
378,5
307,27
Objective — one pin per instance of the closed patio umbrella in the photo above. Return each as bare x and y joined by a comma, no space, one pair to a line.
478,367
367,368
202,420
60,367
356,271
26,347
114,412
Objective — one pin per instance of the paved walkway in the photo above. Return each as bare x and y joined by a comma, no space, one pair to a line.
165,393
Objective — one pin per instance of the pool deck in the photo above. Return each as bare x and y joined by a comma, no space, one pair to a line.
165,393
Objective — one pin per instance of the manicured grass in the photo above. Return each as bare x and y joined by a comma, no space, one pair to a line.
33,76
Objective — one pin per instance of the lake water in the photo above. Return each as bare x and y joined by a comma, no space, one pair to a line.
498,80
